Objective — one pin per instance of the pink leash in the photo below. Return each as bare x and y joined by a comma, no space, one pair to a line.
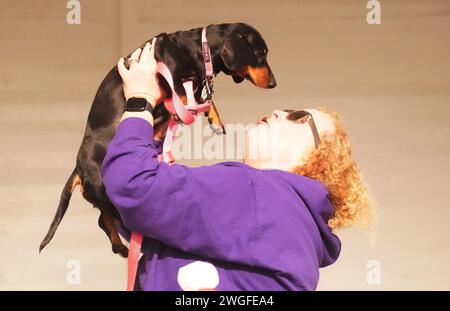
187,114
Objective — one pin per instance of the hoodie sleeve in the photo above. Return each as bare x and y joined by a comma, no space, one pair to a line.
207,211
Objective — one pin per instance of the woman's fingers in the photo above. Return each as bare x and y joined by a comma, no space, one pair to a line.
121,67
144,55
152,49
148,54
135,55
141,77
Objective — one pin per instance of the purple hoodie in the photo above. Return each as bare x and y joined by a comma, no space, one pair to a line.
261,229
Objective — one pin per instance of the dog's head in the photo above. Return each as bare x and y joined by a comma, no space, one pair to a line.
243,55
237,49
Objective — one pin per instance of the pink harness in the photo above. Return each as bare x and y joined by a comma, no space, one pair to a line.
180,113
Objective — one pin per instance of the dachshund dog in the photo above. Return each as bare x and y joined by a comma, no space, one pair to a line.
237,49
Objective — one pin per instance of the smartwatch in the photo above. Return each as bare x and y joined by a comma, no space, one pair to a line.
137,104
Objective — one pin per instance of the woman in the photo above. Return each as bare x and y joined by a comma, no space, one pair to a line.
265,224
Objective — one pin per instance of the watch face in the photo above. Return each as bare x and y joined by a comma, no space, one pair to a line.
136,104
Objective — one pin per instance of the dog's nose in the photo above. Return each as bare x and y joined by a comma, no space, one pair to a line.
272,83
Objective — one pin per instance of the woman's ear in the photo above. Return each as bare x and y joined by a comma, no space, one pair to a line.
235,52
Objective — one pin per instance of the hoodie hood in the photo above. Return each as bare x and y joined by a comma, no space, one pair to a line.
291,234
300,203
315,197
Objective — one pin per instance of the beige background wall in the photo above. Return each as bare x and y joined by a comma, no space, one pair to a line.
390,82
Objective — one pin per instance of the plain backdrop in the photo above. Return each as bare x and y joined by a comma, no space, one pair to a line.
390,83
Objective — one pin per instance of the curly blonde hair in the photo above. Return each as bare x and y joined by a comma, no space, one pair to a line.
332,164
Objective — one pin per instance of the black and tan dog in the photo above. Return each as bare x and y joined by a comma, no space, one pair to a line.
236,49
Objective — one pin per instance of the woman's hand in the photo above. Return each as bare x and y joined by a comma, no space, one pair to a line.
140,80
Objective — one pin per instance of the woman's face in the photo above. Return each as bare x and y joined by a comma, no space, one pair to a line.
278,143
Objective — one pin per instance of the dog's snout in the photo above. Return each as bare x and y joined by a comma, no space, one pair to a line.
272,83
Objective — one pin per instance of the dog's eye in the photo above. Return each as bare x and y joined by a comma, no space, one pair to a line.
260,53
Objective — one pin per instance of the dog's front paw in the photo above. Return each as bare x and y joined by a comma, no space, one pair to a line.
218,129
120,249
214,121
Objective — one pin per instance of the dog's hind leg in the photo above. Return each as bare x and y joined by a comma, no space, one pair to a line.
107,223
77,182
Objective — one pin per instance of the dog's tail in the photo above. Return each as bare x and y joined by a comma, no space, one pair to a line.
66,194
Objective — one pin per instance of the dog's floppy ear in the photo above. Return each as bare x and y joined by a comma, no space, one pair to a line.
236,52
